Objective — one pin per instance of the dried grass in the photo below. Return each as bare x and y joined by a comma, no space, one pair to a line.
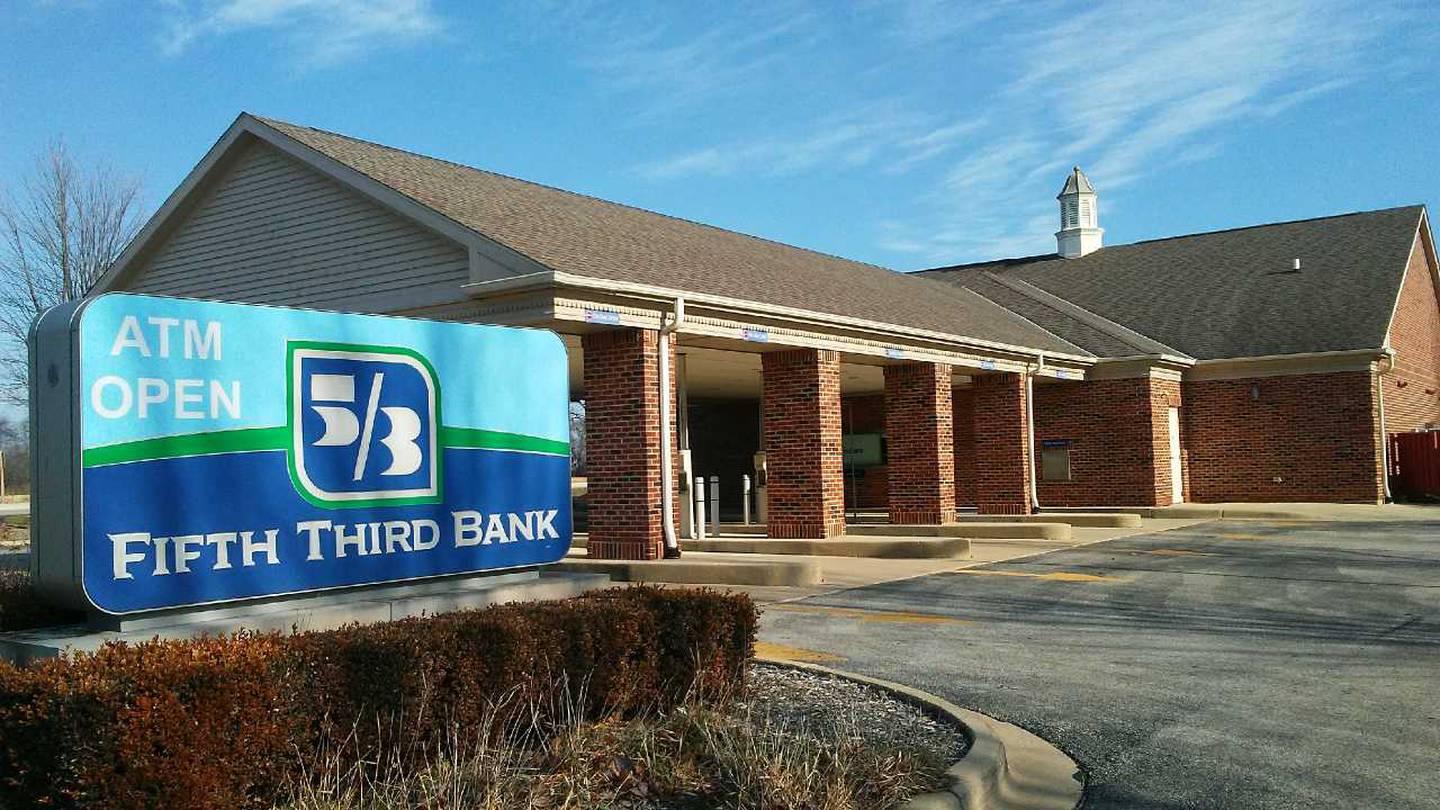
707,752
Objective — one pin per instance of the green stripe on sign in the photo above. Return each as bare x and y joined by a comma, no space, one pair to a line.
251,440
476,439
246,440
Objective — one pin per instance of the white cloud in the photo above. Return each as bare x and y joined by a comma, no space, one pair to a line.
318,32
881,136
1129,92
1129,89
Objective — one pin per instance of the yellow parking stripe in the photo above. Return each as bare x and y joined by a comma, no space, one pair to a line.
1177,552
769,649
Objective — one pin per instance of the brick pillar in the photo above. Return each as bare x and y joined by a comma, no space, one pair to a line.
1002,447
802,443
919,430
622,444
1160,396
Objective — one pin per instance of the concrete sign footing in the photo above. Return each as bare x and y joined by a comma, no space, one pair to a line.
324,611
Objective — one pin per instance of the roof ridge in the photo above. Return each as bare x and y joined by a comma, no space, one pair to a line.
1038,257
1119,331
1417,206
571,193
1080,350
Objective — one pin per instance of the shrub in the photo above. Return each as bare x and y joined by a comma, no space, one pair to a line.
219,722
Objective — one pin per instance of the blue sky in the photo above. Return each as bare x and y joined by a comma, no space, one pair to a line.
908,133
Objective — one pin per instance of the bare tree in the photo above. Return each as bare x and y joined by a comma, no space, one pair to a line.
61,226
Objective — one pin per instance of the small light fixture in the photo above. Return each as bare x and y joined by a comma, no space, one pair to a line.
1255,392
1297,266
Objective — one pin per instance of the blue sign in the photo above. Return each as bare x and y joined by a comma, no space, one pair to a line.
988,365
606,316
894,353
756,335
230,452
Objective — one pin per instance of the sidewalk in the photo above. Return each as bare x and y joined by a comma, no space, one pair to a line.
1337,512
844,573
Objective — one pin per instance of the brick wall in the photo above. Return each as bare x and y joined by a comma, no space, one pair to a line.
1412,388
802,443
1316,433
1119,440
962,403
919,432
622,442
1002,451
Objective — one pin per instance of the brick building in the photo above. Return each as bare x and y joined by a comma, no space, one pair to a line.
1262,363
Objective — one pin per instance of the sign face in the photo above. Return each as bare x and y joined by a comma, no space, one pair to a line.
223,452
607,316
861,449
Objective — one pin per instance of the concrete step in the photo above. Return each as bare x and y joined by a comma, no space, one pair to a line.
698,570
913,548
1111,520
975,530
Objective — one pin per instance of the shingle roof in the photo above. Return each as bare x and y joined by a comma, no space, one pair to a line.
586,236
1090,332
1234,293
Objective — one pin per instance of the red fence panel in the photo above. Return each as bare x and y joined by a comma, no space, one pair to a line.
1415,464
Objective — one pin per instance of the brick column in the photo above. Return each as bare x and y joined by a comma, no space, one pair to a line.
919,430
622,444
802,443
1002,447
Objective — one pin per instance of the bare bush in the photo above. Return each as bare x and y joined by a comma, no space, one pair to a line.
61,227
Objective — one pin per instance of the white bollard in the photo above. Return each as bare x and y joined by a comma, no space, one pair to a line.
699,491
745,497
715,505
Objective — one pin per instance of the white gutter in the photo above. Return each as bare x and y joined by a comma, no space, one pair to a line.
667,470
1389,360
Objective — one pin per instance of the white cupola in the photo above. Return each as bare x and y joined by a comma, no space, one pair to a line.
1080,232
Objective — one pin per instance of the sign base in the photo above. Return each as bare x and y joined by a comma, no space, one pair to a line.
323,611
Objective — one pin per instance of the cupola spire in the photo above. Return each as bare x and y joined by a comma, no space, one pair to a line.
1080,232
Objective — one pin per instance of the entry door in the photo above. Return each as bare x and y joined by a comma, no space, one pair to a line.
1177,482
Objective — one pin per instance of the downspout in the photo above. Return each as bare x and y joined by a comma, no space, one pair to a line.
667,470
1384,435
1030,430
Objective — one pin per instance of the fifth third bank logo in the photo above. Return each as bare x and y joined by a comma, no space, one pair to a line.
363,423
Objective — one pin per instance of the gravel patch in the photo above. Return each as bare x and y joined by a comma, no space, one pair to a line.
823,705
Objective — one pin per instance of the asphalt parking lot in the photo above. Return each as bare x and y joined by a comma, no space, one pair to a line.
1233,664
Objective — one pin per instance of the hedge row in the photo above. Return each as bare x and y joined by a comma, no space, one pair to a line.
225,722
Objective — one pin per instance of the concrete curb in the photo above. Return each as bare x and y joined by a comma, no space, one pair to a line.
975,530
1005,768
1106,520
911,548
699,572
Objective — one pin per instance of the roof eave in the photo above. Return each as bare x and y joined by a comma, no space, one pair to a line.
554,279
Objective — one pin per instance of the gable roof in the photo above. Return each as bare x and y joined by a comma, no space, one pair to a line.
586,236
1232,293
